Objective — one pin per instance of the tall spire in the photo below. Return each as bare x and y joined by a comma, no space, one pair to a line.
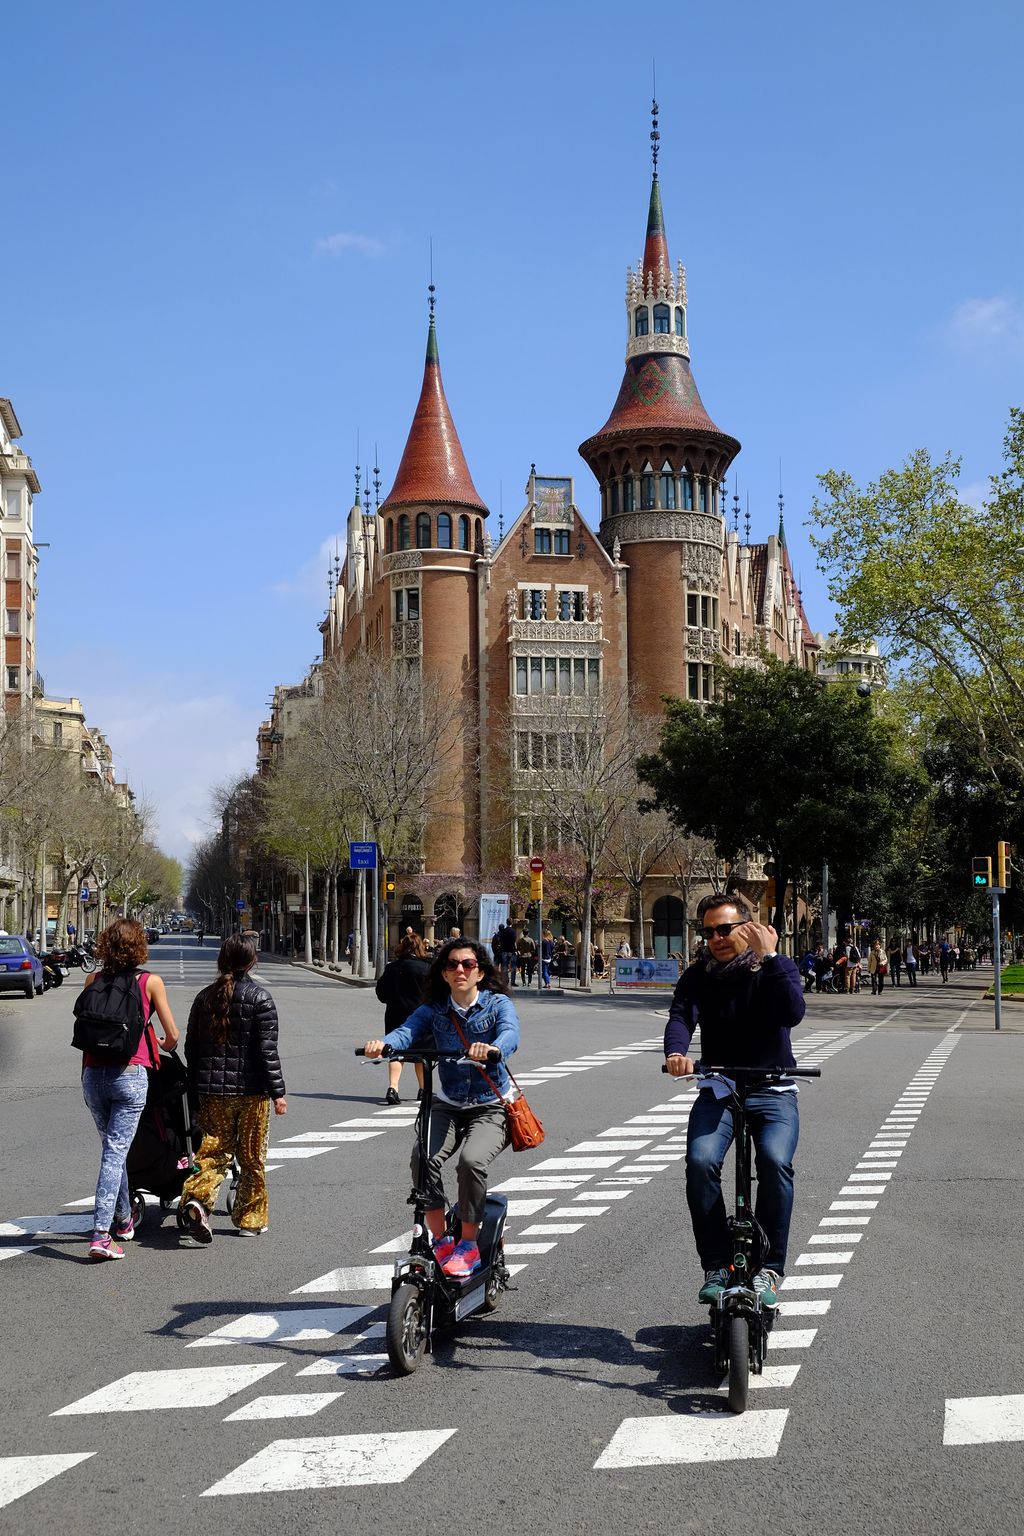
782,525
656,246
433,469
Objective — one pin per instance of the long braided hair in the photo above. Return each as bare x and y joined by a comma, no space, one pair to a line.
237,955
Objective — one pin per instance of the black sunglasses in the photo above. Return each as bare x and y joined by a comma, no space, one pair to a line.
722,930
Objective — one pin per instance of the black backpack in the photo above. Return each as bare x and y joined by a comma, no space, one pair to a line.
109,1018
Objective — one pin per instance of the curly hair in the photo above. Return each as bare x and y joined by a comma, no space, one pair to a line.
122,946
436,989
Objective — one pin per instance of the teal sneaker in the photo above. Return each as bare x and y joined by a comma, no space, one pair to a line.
766,1284
715,1282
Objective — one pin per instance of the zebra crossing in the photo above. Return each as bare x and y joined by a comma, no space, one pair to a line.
320,1334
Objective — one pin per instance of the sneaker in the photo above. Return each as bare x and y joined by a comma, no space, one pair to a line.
198,1222
125,1230
465,1258
391,1097
766,1284
444,1247
104,1247
715,1282
253,1231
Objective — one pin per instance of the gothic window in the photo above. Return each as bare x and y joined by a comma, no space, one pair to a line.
613,498
565,605
389,535
533,603
579,606
661,319
642,318
680,330
702,493
629,494
478,541
423,530
579,676
550,674
698,681
564,675
412,602
668,487
646,487
736,643
593,677
536,675
691,610
562,542
542,541
687,492
403,532
522,679
444,531
399,606
463,532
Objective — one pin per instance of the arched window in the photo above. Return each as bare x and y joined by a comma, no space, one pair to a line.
448,914
411,915
642,319
662,317
687,492
463,532
613,498
667,913
702,484
646,487
668,487
403,531
680,322
628,494
423,530
478,537
389,535
444,531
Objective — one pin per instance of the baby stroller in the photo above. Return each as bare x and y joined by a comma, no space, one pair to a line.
160,1156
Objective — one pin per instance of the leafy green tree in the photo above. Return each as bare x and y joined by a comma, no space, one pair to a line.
802,772
939,583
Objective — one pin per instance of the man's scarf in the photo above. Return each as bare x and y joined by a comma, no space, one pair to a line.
747,961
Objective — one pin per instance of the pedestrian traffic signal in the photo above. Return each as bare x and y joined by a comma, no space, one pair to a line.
1003,865
982,869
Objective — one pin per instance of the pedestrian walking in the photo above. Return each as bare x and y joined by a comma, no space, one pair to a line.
944,960
115,1091
234,1068
910,964
853,969
878,967
895,962
400,988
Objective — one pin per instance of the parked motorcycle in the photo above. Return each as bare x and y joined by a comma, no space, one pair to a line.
54,968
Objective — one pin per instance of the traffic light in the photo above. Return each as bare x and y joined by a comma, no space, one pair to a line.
982,871
1003,865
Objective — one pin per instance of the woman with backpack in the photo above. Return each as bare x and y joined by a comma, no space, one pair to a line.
116,999
235,1070
400,988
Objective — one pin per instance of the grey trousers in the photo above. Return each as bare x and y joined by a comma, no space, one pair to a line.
481,1131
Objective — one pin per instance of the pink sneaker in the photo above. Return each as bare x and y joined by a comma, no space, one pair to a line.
444,1247
464,1260
103,1247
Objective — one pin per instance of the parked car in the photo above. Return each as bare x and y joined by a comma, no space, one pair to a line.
152,935
20,967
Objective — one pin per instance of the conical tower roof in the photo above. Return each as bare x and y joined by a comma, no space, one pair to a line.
433,468
656,244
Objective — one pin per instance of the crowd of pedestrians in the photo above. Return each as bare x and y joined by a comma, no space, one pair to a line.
845,968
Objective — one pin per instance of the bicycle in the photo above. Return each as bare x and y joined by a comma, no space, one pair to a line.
424,1300
740,1322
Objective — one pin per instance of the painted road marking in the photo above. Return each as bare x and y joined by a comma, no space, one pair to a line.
151,1391
984,1420
292,1326
672,1439
20,1474
287,1405
333,1461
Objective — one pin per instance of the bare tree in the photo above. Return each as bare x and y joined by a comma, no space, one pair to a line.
643,834
388,737
693,864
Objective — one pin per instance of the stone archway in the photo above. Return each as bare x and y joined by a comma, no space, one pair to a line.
449,913
410,915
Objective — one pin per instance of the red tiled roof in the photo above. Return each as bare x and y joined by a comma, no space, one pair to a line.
433,467
659,393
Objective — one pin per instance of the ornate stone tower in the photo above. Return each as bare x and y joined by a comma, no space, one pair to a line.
433,531
660,462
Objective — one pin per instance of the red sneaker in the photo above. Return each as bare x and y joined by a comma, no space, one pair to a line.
464,1260
444,1247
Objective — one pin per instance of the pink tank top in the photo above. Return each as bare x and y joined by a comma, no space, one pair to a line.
148,1053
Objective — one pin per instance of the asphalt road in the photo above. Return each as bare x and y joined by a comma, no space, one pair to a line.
242,1385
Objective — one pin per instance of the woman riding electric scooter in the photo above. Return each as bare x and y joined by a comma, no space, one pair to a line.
466,1010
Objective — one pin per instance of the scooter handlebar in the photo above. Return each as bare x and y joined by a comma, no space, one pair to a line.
700,1070
493,1054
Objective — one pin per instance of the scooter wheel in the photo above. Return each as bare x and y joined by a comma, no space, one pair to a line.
138,1209
406,1332
492,1295
739,1363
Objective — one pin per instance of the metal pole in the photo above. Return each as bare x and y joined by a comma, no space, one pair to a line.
540,943
997,955
824,906
375,874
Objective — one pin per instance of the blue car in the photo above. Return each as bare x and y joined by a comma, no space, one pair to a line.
20,967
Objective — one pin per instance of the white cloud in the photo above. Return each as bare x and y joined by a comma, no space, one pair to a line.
337,245
310,580
979,321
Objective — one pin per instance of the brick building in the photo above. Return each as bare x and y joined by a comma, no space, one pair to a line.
661,597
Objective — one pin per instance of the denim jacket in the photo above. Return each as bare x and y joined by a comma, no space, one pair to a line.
492,1018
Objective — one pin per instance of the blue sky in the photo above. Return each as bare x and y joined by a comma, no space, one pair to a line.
215,263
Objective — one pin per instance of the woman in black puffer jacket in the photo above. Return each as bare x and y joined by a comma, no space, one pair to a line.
234,1067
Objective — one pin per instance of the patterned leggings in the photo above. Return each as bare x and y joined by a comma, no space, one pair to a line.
237,1127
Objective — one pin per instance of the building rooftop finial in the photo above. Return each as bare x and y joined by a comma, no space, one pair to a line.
376,479
655,135
782,526
746,522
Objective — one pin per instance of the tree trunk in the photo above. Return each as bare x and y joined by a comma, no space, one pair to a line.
638,948
335,956
357,926
308,951
325,917
588,907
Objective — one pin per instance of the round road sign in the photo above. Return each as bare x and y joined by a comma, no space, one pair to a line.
537,866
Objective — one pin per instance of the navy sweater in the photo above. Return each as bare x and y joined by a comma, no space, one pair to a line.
745,1016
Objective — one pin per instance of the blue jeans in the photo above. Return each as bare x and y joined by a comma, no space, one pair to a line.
774,1121
116,1097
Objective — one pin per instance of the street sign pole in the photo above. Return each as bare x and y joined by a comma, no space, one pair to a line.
997,954
537,895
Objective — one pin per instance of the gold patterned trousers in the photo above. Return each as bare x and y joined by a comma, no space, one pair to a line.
240,1128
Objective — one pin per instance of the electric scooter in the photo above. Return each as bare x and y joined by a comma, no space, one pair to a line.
424,1300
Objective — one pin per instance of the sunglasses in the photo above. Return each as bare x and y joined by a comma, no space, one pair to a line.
460,965
720,930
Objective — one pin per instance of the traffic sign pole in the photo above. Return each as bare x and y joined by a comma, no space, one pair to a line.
997,955
537,895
